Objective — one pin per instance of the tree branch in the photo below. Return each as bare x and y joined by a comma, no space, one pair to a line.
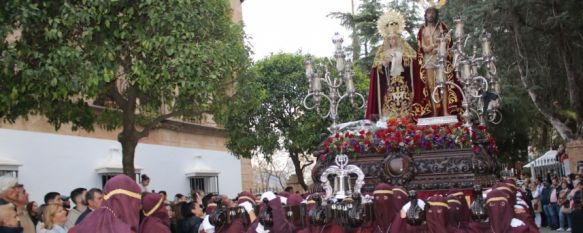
117,96
561,128
154,123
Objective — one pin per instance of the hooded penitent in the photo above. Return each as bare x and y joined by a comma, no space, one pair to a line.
239,224
156,218
293,201
500,207
400,197
437,221
120,211
384,207
459,212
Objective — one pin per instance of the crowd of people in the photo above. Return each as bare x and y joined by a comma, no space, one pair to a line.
124,206
554,200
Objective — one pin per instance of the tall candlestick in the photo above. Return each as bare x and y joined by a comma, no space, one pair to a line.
442,46
486,50
466,71
316,85
459,28
309,69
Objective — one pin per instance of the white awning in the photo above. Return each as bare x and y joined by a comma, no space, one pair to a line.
113,162
7,164
548,158
200,168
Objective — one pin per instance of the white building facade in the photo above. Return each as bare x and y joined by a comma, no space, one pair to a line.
47,162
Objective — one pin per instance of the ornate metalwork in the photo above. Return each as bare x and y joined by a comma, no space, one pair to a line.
344,69
342,170
480,94
398,169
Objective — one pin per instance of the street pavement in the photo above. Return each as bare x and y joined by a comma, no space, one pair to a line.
547,230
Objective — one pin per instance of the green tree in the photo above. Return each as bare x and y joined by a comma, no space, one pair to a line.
363,25
541,54
267,112
152,60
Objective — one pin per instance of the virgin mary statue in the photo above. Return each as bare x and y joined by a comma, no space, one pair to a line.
391,77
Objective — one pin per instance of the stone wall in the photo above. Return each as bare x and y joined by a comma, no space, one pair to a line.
575,152
200,138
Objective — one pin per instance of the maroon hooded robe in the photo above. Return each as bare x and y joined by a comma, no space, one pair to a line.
239,225
400,197
459,214
501,213
120,211
280,222
156,218
437,220
384,208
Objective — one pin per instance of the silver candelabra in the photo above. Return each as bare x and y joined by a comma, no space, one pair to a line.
334,97
480,93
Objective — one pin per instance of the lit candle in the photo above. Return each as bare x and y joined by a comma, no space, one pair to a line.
459,28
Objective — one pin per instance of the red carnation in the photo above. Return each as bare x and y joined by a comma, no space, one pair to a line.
393,122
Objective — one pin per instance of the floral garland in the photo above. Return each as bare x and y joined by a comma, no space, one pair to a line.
403,135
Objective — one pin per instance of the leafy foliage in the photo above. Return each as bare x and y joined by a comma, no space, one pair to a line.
267,112
140,56
364,23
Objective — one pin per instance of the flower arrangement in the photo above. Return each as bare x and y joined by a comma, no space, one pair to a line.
403,135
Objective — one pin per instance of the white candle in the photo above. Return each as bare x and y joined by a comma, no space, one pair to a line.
442,47
486,51
349,85
340,63
309,69
466,71
316,86
459,28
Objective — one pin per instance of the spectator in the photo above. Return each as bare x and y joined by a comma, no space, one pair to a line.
78,198
191,217
554,202
536,205
565,208
93,200
119,212
8,219
145,182
179,198
547,207
13,192
53,198
54,218
32,209
577,213
66,203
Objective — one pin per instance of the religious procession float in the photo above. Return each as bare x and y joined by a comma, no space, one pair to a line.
424,127
422,159
423,140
